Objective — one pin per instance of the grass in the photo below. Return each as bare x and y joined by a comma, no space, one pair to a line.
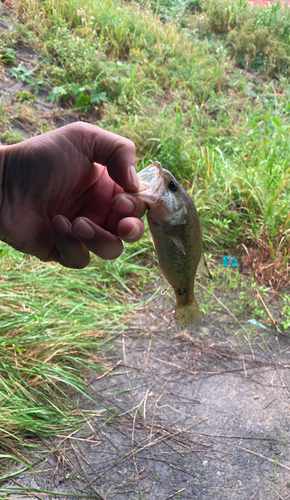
53,323
241,299
200,85
176,90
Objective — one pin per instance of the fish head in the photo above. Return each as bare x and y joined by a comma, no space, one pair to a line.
161,191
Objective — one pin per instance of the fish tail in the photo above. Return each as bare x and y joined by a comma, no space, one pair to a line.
187,316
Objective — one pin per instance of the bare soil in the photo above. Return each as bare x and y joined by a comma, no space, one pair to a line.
29,117
191,417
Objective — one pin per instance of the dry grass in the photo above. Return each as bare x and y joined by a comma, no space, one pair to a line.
270,267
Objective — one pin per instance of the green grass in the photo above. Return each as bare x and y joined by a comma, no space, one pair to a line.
200,85
239,296
53,323
172,84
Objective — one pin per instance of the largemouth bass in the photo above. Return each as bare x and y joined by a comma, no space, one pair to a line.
177,237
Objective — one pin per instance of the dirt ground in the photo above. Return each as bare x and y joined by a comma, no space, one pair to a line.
25,117
191,417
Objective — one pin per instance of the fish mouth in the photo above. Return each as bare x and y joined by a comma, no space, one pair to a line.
150,182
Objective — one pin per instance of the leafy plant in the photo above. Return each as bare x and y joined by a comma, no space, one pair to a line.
26,76
285,321
83,97
263,126
25,96
9,55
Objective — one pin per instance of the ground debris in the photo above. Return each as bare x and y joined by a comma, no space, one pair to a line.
183,420
269,267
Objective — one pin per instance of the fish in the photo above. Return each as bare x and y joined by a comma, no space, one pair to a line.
177,237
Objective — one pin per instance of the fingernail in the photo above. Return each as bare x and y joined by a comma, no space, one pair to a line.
60,224
124,205
133,177
83,230
134,232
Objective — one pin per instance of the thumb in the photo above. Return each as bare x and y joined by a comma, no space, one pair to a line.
111,150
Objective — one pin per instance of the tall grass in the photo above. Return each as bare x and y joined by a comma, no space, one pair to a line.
256,36
53,323
122,48
174,90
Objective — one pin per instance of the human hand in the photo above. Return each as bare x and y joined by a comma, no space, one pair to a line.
63,195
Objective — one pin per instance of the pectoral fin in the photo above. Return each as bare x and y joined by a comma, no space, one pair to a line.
178,243
202,268
164,285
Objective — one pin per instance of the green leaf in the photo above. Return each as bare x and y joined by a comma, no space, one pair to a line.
9,55
275,120
97,96
82,102
75,88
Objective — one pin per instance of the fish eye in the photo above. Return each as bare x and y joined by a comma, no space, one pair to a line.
173,185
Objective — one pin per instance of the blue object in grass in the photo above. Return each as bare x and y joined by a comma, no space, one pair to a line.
230,261
255,322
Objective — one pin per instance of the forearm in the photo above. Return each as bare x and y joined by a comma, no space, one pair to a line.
7,209
3,150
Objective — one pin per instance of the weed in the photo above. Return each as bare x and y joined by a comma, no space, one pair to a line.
11,137
257,37
285,314
83,97
9,56
223,16
26,76
45,345
255,48
25,96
